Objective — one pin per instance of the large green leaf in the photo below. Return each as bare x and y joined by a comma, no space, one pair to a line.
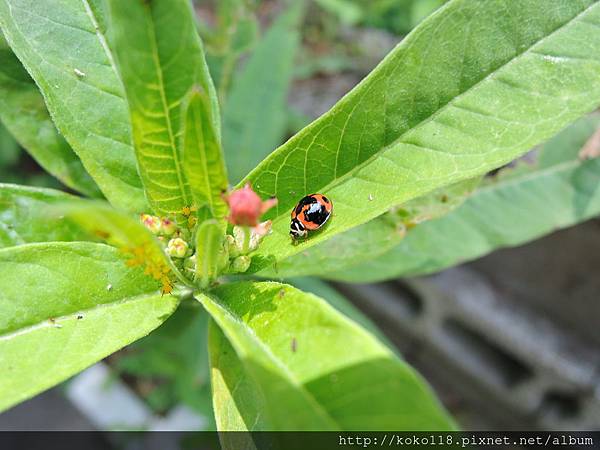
291,362
374,238
24,113
64,306
522,204
254,117
62,44
474,86
160,60
23,218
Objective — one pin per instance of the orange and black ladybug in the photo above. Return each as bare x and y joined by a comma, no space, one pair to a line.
310,214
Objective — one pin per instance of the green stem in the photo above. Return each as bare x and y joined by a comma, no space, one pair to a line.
246,244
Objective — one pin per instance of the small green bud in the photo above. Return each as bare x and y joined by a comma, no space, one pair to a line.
241,264
232,249
177,248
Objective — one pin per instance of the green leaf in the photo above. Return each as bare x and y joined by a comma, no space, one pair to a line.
124,232
23,217
202,157
255,115
81,305
174,361
24,113
373,238
210,252
522,204
342,304
348,11
160,60
235,32
9,148
290,361
62,44
467,91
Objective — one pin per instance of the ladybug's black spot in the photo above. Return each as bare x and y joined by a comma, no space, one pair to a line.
308,200
316,214
325,199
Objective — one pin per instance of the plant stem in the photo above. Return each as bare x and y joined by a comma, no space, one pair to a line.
246,244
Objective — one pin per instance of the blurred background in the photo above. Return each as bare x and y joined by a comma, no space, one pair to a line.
510,341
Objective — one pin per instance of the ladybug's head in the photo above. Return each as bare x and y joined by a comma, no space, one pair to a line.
297,229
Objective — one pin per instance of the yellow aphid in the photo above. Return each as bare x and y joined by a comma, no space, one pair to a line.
153,266
167,286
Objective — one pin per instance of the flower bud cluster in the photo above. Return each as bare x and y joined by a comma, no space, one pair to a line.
178,248
245,210
160,226
167,232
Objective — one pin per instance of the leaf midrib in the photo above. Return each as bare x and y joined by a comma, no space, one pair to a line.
90,13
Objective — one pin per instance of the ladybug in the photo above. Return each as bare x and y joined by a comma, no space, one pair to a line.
310,214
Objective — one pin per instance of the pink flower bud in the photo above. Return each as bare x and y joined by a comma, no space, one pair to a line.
167,226
246,207
151,222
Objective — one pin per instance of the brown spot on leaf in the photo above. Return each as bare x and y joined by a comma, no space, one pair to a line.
591,149
102,234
